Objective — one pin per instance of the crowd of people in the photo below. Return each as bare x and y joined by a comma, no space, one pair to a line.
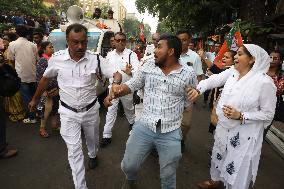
157,88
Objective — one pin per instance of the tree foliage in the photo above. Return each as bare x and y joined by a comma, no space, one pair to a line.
205,15
63,5
131,29
31,7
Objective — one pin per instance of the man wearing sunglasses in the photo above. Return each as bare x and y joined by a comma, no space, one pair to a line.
127,61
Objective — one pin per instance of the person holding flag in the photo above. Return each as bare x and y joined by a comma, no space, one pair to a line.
233,41
141,35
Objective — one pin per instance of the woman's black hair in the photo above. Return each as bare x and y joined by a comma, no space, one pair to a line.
43,46
233,53
278,52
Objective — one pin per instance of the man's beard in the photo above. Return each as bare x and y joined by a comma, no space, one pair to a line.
160,63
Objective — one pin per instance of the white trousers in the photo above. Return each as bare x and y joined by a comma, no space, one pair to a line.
127,103
71,125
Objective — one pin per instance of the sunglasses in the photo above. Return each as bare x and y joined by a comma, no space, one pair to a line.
120,40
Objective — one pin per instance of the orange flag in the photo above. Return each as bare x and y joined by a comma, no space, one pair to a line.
232,42
142,36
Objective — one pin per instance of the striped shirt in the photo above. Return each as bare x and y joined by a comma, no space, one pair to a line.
165,96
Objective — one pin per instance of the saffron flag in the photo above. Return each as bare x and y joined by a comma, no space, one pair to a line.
142,36
233,41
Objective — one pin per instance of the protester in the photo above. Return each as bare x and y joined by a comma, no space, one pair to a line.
38,38
191,46
158,126
49,101
76,69
243,110
4,151
227,61
277,75
23,54
14,104
125,60
110,14
191,59
97,13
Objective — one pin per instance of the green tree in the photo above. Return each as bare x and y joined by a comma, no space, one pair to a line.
208,16
33,7
63,5
131,28
132,31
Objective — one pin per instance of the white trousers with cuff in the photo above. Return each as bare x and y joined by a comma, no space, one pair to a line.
71,125
127,103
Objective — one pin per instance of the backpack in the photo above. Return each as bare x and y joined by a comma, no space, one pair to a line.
10,82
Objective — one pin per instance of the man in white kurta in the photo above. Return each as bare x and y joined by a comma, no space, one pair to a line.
121,58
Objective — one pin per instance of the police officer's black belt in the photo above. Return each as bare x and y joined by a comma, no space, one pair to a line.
79,109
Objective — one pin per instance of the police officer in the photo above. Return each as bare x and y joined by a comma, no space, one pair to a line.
76,69
126,61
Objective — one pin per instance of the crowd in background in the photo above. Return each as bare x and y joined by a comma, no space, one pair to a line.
27,51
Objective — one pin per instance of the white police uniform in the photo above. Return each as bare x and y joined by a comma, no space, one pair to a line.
119,61
79,108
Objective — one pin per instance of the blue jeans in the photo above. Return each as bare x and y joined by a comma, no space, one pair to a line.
27,91
139,145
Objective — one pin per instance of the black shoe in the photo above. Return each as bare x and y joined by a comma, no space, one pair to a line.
93,163
104,142
182,145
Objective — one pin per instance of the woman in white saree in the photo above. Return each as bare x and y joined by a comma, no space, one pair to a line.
246,107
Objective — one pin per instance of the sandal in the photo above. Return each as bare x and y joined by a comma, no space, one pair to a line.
43,133
209,184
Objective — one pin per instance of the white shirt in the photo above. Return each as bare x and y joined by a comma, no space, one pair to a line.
119,61
193,58
149,50
165,96
24,53
77,80
259,105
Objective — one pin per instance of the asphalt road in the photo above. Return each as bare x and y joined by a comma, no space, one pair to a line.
42,163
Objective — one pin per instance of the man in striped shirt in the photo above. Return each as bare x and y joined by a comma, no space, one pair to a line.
165,83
